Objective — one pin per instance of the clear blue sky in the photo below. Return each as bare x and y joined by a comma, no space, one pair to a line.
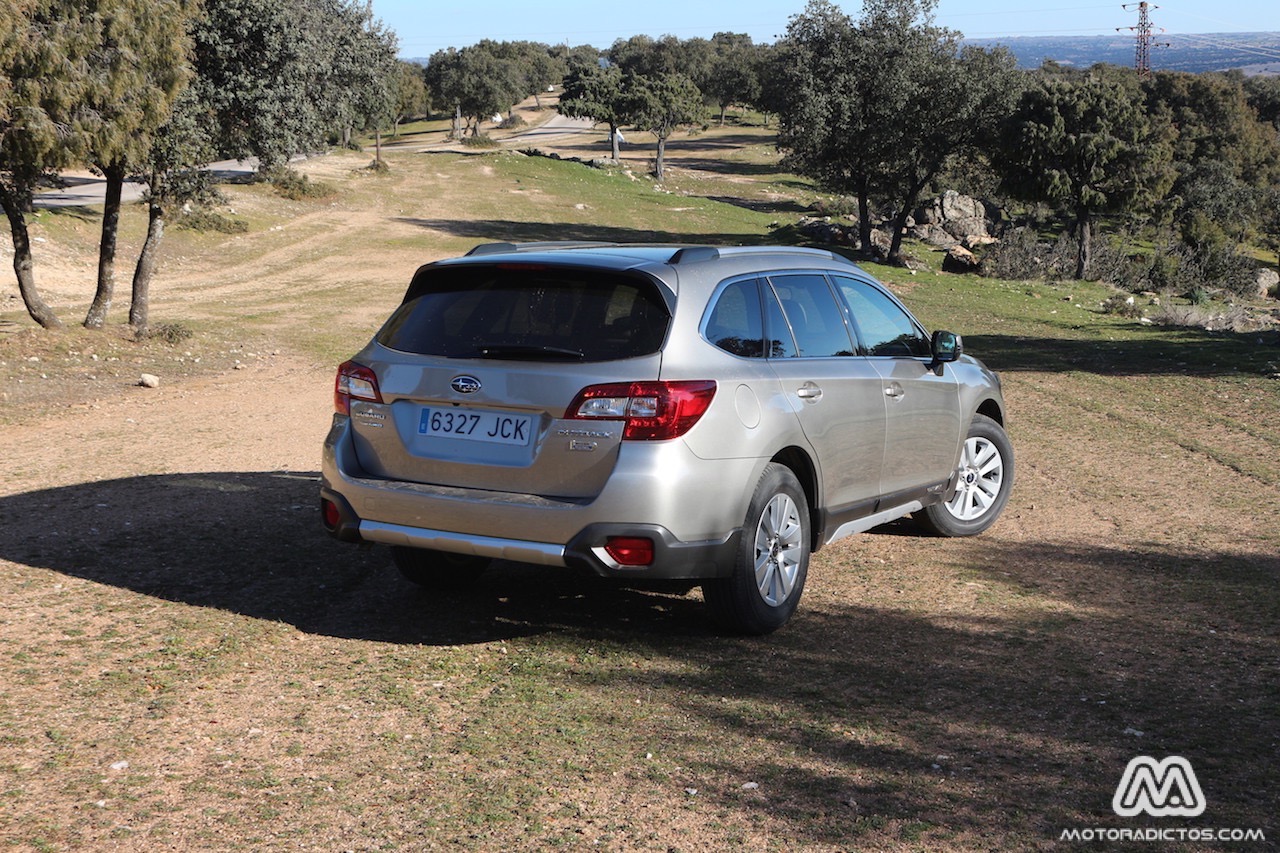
424,28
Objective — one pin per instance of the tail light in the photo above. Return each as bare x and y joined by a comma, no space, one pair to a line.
653,411
354,382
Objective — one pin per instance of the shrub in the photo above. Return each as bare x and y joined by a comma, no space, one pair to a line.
202,219
482,140
1174,267
1116,263
170,333
297,186
841,205
1021,254
1196,271
1231,319
1123,305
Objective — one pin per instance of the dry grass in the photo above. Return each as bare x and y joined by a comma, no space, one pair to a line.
187,662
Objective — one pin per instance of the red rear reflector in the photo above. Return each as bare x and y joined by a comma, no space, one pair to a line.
331,515
630,550
354,382
653,411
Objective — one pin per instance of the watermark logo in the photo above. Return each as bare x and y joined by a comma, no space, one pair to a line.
1165,788
1159,788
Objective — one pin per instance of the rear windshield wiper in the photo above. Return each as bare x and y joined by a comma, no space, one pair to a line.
528,351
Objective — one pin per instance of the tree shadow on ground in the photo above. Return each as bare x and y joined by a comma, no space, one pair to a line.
683,160
1018,724
761,205
523,232
1181,352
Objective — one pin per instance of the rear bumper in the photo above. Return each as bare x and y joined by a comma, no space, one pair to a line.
672,558
475,522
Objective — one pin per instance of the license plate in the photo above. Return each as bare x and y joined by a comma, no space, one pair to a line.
476,425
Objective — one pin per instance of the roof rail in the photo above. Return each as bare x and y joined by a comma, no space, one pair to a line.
492,249
502,248
691,254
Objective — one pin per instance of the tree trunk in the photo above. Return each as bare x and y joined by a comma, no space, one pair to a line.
97,316
140,306
613,140
377,146
1084,252
23,265
662,150
456,131
864,219
723,107
900,221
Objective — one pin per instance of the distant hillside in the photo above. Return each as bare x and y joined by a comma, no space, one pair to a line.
1253,53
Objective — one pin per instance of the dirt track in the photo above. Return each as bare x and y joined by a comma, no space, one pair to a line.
167,600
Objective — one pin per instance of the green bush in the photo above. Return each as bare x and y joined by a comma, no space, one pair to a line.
482,140
202,219
297,186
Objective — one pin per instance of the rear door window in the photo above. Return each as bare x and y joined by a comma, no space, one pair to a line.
816,321
530,313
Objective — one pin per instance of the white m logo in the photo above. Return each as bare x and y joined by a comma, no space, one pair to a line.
1165,788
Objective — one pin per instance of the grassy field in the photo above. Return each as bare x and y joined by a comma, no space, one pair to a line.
187,662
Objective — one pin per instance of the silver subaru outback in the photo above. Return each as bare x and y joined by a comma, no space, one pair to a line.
695,414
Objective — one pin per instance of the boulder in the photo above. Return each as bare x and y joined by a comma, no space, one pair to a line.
960,260
1267,281
934,235
959,215
973,241
831,233
881,241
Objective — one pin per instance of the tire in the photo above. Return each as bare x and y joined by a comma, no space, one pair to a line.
985,480
438,570
772,561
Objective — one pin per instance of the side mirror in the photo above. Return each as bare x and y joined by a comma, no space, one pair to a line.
946,347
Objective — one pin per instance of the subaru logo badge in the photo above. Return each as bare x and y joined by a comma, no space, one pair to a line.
465,384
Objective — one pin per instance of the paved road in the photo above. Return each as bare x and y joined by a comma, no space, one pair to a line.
84,189
556,127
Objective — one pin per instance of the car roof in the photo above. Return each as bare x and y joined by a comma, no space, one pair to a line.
621,256
670,264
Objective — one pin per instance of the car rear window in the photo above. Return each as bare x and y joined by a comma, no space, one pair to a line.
528,312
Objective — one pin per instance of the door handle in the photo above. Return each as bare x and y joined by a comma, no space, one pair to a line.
809,392
894,391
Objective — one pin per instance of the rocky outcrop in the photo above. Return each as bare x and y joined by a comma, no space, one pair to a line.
950,219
